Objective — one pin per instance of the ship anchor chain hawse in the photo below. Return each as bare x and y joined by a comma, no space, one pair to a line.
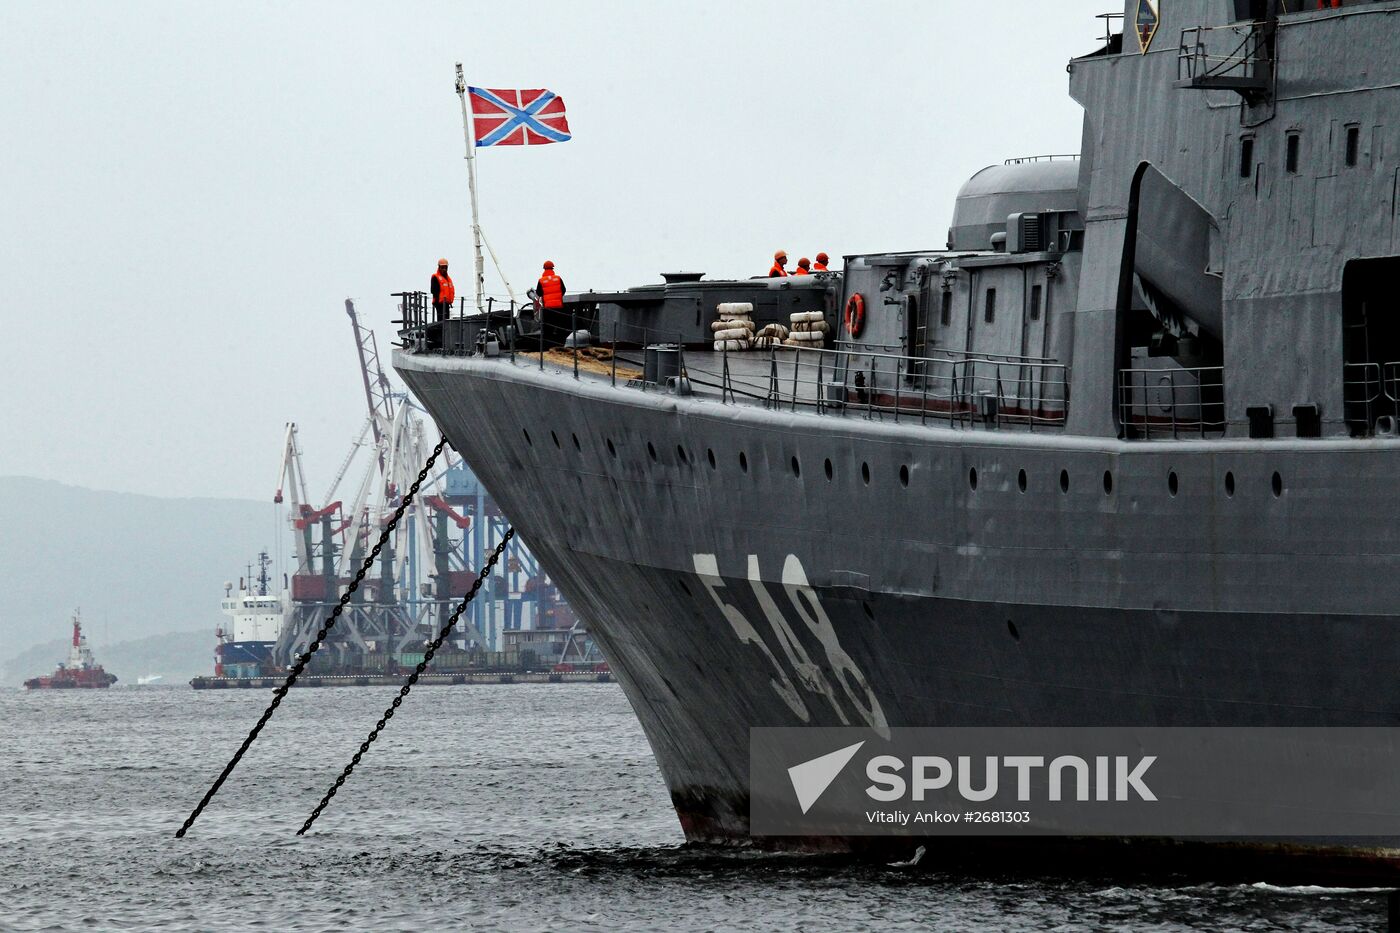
1121,453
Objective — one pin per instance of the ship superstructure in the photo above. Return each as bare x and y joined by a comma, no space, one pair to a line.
1119,453
255,619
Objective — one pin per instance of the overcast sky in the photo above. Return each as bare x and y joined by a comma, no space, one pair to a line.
190,191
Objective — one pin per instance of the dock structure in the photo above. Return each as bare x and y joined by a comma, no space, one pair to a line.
476,678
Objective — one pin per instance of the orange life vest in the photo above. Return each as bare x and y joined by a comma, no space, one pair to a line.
446,292
801,271
777,272
551,289
819,267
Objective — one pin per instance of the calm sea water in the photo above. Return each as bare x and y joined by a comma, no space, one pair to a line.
533,807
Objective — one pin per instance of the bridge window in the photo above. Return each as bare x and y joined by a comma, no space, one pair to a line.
1290,160
1247,157
989,314
1353,145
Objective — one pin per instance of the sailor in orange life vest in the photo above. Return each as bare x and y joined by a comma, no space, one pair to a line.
779,261
550,290
822,260
804,267
444,294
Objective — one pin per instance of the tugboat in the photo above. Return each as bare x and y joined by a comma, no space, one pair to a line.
81,671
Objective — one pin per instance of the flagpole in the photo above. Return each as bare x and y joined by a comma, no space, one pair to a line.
478,235
478,265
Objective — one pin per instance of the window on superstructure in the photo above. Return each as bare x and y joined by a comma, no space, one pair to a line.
1290,159
945,314
1247,157
1035,302
989,313
1353,145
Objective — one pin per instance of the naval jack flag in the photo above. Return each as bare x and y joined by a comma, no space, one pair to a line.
518,118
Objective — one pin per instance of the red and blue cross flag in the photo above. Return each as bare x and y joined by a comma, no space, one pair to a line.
518,118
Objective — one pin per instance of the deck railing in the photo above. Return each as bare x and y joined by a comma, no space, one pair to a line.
942,387
1172,402
959,390
1233,57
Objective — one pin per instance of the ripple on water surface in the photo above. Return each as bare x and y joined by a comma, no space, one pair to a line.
503,807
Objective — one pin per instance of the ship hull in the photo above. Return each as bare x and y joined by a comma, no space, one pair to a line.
85,680
776,593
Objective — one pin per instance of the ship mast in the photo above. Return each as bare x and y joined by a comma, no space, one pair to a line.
478,235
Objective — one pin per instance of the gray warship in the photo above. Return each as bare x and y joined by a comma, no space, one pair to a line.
1125,452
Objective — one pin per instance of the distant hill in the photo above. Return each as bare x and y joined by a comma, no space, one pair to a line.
137,565
176,656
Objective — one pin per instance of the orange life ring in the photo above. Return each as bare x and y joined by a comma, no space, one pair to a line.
855,314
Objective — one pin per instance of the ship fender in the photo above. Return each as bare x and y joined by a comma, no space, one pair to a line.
855,314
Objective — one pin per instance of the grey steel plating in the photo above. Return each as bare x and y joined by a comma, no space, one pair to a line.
1124,453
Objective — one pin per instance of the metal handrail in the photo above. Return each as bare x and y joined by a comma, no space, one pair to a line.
947,386
874,385
1198,389
1192,51
944,354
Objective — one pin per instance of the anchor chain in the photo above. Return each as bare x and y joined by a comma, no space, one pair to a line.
305,657
412,679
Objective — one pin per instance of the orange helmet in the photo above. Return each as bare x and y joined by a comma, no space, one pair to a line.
442,262
823,258
549,264
804,262
780,254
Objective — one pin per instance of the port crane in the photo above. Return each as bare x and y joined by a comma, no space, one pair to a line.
423,570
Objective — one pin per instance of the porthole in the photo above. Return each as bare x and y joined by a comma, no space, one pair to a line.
611,449
1277,485
1229,483
865,473
870,613
651,451
796,467
1021,480
743,461
972,477
1011,627
684,588
1064,481
527,437
1108,482
904,475
710,455
1172,484
577,445
681,455
828,470
554,437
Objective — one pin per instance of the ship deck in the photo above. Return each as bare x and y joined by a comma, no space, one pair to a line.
844,381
